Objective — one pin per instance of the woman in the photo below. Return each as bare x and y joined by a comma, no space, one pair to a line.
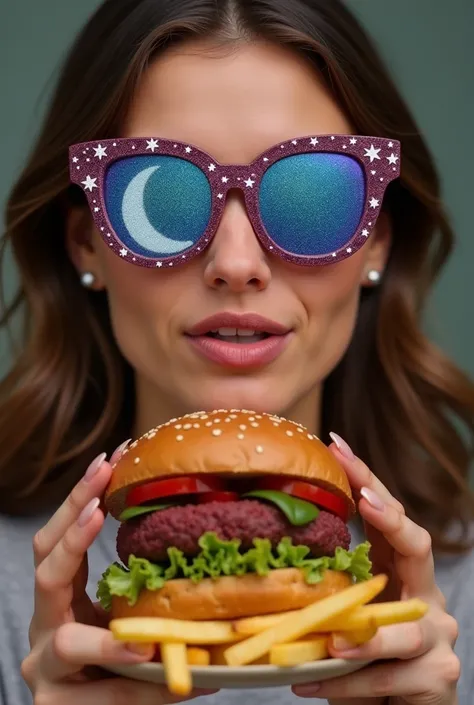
109,347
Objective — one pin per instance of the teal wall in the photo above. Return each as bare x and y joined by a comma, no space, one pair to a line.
428,45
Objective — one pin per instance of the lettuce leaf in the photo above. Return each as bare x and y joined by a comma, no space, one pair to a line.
218,557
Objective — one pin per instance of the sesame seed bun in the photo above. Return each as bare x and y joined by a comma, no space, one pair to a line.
228,443
231,597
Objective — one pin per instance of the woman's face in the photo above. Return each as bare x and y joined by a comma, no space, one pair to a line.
233,105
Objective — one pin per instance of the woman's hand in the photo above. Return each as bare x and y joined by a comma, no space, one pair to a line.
426,670
67,632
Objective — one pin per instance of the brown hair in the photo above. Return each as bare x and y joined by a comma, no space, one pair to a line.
397,400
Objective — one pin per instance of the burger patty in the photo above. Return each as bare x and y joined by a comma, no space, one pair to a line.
151,535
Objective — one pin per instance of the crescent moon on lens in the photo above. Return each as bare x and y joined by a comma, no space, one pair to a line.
136,220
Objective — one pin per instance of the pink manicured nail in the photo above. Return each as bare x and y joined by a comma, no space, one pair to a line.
141,649
341,644
117,454
343,447
87,513
94,467
372,498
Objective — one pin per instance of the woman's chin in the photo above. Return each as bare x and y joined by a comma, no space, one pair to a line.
238,393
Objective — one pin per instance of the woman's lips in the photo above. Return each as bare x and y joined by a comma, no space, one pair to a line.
240,355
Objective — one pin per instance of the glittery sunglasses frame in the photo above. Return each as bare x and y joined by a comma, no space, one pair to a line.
379,158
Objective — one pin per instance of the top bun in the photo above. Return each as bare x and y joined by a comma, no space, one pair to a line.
226,442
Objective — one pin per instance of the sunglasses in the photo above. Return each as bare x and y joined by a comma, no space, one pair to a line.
311,200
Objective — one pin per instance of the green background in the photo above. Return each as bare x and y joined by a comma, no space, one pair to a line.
427,45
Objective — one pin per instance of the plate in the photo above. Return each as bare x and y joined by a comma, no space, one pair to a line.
246,676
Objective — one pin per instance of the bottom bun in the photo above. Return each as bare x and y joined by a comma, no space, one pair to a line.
231,597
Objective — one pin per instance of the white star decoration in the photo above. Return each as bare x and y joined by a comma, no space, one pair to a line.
365,232
159,264
75,160
353,140
123,252
249,183
372,153
100,152
187,150
374,203
392,159
225,179
89,183
212,167
152,144
220,195
314,141
294,142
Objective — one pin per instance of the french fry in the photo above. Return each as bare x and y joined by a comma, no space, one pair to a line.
198,657
308,619
175,664
156,629
255,625
218,659
360,618
357,637
299,652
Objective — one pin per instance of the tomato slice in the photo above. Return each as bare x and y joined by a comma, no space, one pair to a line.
304,490
207,497
173,486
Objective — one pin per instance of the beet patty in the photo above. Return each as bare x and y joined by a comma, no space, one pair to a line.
151,535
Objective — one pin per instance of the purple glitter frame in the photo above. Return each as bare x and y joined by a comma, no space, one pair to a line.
379,157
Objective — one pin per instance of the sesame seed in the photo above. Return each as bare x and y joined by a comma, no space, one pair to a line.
240,436
259,417
251,418
227,420
172,420
300,430
254,424
243,427
310,436
136,461
217,420
125,451
276,424
204,416
187,426
195,425
178,426
233,416
289,433
259,449
208,423
216,432
179,438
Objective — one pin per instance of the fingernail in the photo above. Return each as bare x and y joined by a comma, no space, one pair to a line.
343,447
372,498
118,452
141,649
94,467
307,690
341,644
86,515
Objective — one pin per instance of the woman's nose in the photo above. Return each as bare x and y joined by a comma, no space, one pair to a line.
235,259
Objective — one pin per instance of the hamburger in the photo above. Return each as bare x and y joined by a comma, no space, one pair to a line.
228,514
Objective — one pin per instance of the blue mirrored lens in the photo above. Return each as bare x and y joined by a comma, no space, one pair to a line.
159,206
311,204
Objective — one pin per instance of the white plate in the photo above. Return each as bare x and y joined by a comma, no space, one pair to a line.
246,676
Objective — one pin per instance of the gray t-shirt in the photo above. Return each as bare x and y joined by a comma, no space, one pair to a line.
455,577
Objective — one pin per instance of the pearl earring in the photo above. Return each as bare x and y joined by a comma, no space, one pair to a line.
87,279
374,276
